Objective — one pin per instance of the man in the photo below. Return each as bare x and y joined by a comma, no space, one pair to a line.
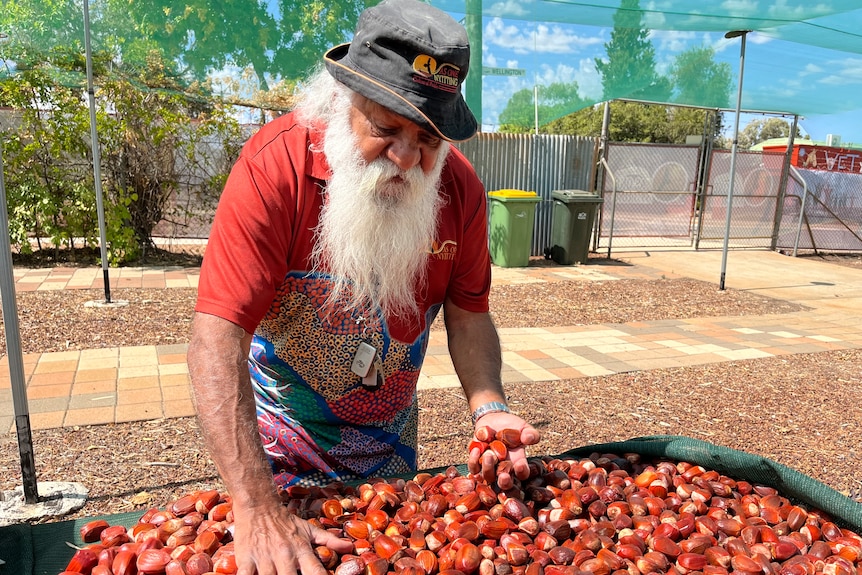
343,229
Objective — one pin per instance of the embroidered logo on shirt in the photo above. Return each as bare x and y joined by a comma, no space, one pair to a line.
443,250
440,76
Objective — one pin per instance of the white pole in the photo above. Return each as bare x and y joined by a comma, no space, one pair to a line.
536,108
536,87
97,155
14,352
733,34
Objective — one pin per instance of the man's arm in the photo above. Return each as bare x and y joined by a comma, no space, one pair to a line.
475,351
218,367
267,538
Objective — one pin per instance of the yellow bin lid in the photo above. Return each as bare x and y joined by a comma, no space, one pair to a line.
512,194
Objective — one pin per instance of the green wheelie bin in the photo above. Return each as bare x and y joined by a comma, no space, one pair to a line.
511,216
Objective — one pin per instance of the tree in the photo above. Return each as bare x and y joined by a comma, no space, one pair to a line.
555,100
635,122
698,78
629,71
518,117
760,130
280,39
157,142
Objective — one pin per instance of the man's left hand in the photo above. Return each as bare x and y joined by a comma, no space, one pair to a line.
486,462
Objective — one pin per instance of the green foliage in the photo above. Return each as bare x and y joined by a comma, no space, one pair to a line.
758,131
634,122
555,100
280,39
165,154
629,69
698,78
628,72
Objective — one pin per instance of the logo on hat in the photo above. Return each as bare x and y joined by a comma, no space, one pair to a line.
443,76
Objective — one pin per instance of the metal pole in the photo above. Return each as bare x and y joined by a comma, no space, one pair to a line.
97,156
536,108
14,353
473,83
782,184
733,34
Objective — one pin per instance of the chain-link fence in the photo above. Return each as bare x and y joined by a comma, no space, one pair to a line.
832,216
649,194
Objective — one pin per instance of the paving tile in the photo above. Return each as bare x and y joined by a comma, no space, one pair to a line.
135,383
47,420
48,404
167,359
39,379
101,374
179,408
56,366
175,393
173,369
91,400
179,348
93,363
566,372
47,391
89,416
174,379
59,356
139,396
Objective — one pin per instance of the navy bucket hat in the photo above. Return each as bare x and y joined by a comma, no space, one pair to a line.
412,59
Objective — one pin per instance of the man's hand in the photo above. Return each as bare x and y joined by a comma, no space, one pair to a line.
273,541
486,462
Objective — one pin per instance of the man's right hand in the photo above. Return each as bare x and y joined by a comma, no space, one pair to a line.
273,541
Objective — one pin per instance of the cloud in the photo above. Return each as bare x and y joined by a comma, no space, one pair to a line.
537,39
508,9
672,41
810,69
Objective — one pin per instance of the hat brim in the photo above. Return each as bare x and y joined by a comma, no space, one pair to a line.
453,122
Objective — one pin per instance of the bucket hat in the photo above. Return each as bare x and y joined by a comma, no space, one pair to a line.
412,59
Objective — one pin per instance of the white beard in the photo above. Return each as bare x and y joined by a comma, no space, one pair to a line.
374,232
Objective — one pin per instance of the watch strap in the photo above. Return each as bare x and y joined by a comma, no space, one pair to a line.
490,407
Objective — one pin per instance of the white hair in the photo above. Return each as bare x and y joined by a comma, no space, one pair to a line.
321,97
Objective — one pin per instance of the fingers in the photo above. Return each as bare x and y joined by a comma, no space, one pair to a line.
323,537
489,466
308,562
520,466
473,463
529,435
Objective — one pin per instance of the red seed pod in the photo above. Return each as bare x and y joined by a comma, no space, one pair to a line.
90,531
511,438
485,434
83,561
499,449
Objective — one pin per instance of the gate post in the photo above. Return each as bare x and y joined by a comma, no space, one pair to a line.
782,185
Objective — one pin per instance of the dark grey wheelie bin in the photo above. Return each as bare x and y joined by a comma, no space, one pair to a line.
574,214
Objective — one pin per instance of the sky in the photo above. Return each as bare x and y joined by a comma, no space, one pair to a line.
775,72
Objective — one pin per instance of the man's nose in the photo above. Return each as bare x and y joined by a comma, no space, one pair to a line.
404,153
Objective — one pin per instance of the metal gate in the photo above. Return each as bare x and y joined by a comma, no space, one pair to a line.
753,205
650,193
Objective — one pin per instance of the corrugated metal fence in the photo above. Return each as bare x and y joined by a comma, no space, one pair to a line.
538,163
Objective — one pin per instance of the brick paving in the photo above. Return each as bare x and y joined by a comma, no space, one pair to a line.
120,384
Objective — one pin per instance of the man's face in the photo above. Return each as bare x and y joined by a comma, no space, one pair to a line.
382,204
381,133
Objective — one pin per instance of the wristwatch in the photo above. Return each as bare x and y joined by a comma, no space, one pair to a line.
490,407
